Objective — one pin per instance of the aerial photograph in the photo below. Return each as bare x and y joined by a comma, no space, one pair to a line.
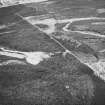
52,52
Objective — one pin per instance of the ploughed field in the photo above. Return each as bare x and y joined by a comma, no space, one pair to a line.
52,52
